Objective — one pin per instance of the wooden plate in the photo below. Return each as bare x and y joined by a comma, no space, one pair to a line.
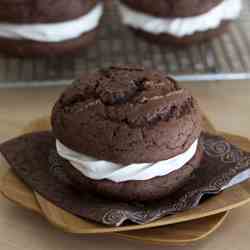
237,196
175,234
179,234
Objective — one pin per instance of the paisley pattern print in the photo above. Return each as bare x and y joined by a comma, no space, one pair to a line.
113,216
34,160
216,149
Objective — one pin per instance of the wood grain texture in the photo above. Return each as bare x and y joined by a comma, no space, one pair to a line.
176,234
179,234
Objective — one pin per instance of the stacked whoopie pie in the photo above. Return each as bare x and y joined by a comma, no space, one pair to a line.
127,133
47,27
179,21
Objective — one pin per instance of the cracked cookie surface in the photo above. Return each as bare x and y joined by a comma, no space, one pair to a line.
127,115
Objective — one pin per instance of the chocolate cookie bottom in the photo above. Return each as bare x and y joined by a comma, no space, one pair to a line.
28,48
166,39
147,190
32,159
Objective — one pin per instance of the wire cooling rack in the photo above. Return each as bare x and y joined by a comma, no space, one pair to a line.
225,57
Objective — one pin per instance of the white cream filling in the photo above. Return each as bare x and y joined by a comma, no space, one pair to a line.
53,32
99,169
227,10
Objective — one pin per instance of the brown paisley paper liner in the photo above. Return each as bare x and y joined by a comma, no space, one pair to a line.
31,157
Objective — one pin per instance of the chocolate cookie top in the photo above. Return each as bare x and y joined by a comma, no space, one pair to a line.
126,115
172,8
43,11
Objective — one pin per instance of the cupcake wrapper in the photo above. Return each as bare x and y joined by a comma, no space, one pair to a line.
32,158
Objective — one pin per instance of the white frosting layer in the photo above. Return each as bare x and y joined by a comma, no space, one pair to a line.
53,32
99,170
227,10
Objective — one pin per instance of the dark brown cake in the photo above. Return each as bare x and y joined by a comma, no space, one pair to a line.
33,159
44,12
152,189
127,115
24,48
172,8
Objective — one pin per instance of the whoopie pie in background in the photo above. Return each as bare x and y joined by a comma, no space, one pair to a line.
47,27
179,21
127,133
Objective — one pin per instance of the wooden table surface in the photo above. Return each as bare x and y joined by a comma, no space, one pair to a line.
227,105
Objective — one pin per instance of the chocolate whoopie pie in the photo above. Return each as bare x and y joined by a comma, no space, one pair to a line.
45,27
127,133
179,22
